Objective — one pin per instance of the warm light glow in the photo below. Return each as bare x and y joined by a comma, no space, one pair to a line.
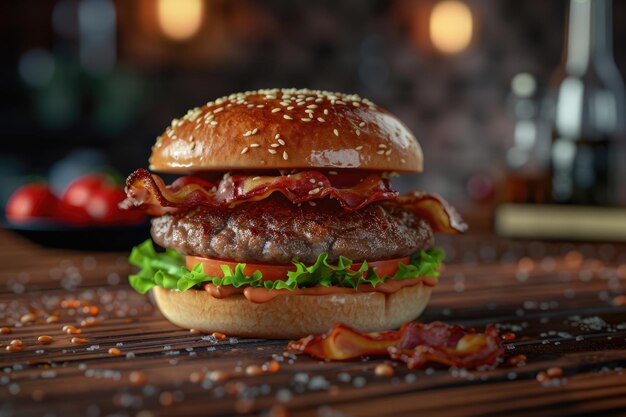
451,26
180,19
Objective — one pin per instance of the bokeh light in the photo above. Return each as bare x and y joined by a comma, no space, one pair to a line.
451,26
180,19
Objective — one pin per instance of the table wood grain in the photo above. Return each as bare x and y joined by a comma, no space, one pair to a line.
561,301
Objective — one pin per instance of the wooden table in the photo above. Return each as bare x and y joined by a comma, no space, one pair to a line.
558,299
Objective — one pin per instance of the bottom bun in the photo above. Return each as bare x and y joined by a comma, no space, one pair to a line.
291,316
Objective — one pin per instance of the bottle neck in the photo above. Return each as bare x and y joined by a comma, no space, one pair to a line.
589,35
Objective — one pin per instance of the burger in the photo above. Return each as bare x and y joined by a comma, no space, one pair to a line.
282,221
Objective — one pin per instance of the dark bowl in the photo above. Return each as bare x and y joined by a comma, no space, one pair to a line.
51,234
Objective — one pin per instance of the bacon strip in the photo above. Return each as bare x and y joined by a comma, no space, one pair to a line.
438,212
353,192
416,344
150,192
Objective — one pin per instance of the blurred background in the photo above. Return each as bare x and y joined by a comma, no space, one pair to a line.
89,83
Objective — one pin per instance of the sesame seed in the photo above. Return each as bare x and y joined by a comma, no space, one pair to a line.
272,151
339,102
326,111
362,124
358,148
219,109
382,145
336,132
318,100
356,104
251,132
311,106
282,142
255,178
358,132
382,151
260,106
277,136
403,161
306,119
312,181
333,172
284,103
213,122
254,145
285,155
286,116
321,120
275,145
314,191
277,109
244,150
388,152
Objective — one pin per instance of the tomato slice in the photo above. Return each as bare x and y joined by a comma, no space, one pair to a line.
212,267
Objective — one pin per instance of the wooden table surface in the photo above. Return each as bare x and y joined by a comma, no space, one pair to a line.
560,300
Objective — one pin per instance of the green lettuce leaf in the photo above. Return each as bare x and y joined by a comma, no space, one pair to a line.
167,269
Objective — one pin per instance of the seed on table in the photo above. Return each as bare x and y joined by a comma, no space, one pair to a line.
115,351
196,377
219,336
384,369
555,372
271,366
52,319
517,360
89,321
92,311
219,376
509,336
78,340
254,370
70,304
28,318
69,329
619,301
16,342
137,378
6,330
45,339
166,399
14,348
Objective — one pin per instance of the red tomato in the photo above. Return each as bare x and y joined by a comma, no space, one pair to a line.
212,267
103,207
30,202
82,189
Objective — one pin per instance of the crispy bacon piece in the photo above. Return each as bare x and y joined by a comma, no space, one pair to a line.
150,192
416,344
432,207
352,191
423,344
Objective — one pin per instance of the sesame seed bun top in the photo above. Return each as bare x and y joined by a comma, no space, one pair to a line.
284,129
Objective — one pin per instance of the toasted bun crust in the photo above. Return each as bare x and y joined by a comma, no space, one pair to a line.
309,129
291,316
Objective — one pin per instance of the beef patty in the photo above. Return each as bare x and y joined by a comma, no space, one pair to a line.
275,230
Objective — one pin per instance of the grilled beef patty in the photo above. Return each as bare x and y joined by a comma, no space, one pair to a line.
274,230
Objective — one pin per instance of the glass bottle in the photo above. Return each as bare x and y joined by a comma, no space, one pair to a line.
588,111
